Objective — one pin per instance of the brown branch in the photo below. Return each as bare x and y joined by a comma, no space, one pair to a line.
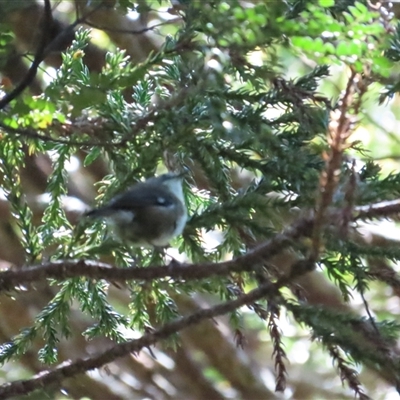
339,132
383,209
69,369
64,269
43,50
39,55
96,270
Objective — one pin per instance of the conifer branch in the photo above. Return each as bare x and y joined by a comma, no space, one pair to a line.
383,209
96,270
64,269
70,369
347,373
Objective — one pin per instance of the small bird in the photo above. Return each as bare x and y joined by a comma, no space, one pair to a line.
149,214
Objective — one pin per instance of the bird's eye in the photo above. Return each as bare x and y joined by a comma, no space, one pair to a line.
161,200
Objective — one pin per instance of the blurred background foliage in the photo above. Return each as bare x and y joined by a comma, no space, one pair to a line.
242,94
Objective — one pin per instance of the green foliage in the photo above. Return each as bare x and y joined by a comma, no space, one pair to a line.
55,227
215,97
12,155
355,37
6,38
73,84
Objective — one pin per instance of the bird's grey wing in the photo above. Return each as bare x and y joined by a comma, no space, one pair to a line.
137,197
140,196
